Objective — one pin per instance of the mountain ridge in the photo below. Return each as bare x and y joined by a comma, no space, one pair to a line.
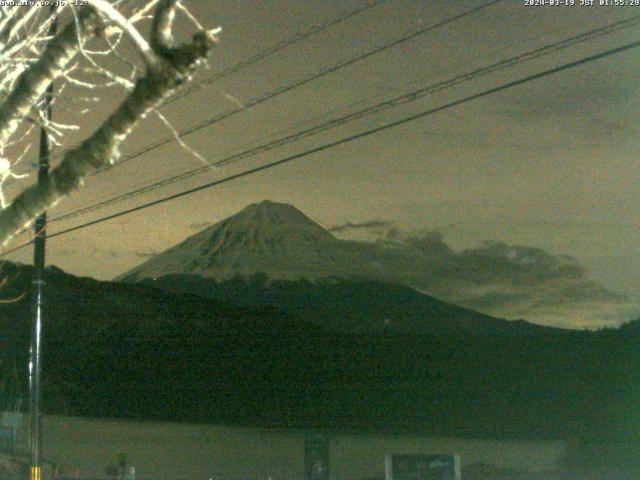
358,306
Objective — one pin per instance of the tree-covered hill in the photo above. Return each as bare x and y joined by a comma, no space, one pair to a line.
134,351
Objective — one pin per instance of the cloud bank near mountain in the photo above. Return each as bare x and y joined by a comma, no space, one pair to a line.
496,278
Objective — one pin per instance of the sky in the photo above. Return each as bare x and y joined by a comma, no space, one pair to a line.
550,165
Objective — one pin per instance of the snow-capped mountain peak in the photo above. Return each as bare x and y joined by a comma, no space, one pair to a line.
266,237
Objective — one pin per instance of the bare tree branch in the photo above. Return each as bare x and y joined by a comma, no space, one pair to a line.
175,66
34,81
106,9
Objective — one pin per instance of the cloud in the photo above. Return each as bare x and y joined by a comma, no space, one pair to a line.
580,303
497,262
370,224
367,231
200,225
512,281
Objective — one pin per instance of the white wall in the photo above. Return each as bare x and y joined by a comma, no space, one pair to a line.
166,451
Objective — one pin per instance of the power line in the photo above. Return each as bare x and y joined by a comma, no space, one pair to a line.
261,55
351,138
274,49
394,102
298,83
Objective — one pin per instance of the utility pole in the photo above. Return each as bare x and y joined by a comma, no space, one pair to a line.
37,296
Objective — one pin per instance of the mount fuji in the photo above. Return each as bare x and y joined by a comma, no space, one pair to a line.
269,238
271,254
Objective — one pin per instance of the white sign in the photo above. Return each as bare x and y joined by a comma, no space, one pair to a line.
422,467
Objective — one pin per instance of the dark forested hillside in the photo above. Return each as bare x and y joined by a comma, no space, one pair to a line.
133,351
356,305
